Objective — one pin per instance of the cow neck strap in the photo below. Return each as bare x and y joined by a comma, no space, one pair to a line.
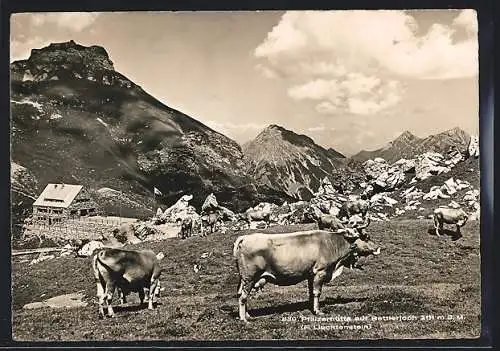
349,253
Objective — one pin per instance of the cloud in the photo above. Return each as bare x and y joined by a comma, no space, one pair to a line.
354,61
320,128
74,21
20,50
354,93
266,71
468,19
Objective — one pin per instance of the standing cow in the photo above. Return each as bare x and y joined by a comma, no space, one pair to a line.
455,216
128,270
209,220
287,259
186,227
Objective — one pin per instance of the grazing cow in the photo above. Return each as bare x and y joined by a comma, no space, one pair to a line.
352,207
186,227
326,221
455,216
128,270
257,215
209,220
317,256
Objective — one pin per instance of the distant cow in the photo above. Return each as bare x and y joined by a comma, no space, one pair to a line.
186,227
257,215
317,256
455,216
128,270
209,220
326,221
352,207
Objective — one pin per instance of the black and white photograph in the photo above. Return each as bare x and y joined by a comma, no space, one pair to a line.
245,175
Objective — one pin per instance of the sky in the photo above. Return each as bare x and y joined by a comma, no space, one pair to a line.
350,80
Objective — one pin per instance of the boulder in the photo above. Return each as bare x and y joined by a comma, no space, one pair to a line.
434,193
89,248
453,157
226,214
390,179
374,168
210,203
404,165
126,234
429,164
411,193
325,187
399,212
180,205
382,199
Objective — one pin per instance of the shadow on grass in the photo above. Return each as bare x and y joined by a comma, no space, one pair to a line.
134,307
295,306
445,232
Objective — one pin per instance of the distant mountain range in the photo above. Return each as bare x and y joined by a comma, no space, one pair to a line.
408,145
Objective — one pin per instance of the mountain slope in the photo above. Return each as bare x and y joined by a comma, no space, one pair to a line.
76,120
408,145
290,162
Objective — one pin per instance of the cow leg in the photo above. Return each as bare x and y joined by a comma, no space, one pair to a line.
152,289
311,292
436,225
318,280
123,297
100,297
243,292
108,296
141,295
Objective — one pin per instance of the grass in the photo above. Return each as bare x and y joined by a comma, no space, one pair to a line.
417,274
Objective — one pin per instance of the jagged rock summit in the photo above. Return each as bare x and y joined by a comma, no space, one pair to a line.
291,162
68,61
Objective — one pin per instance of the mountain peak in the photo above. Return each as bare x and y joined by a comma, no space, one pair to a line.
64,61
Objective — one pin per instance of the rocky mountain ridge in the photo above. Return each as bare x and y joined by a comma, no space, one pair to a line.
76,120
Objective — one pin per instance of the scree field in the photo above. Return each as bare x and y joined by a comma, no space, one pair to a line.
417,276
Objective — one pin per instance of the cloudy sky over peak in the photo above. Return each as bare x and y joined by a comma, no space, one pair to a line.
351,80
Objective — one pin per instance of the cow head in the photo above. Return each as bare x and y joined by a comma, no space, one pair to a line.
366,247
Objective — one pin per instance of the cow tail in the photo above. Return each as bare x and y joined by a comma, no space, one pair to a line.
237,245
94,266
